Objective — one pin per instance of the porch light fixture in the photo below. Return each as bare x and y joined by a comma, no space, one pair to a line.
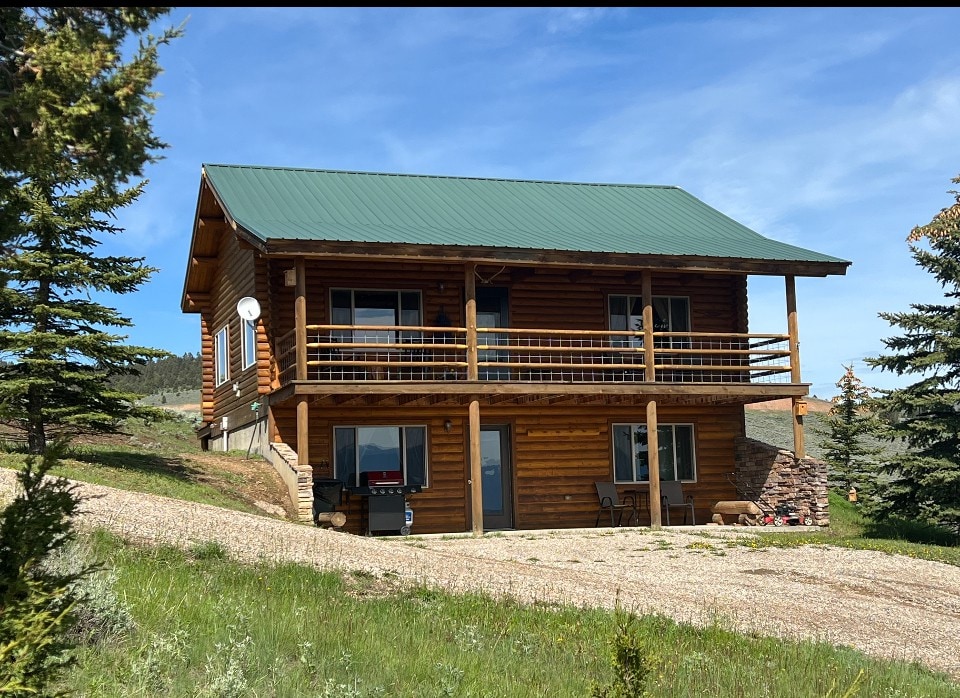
447,426
290,277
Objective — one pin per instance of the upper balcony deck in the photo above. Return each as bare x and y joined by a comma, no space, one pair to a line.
420,354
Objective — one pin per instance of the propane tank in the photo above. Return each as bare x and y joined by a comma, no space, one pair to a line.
407,517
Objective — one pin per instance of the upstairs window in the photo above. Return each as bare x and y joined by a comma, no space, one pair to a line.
631,458
670,314
221,357
389,308
248,344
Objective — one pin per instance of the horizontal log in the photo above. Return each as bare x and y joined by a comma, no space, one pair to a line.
736,507
336,519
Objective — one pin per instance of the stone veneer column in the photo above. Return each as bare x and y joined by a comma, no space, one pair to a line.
780,477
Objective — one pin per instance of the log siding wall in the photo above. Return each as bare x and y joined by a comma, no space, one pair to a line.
552,476
558,453
240,273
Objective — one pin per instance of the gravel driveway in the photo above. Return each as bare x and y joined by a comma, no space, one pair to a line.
885,605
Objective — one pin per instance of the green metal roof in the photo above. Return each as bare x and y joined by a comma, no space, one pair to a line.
274,203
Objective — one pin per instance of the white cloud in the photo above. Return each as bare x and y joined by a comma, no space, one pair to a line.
563,20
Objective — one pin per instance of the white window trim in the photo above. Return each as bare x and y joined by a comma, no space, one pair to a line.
403,452
221,345
244,324
633,467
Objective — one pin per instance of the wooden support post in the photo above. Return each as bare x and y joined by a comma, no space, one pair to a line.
470,290
476,489
653,460
799,447
792,329
799,443
303,430
646,281
300,318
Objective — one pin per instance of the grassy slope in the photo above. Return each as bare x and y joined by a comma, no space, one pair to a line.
206,624
161,458
775,427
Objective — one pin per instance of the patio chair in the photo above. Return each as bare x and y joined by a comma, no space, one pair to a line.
610,501
671,497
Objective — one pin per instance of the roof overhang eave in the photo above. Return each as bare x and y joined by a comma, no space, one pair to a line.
523,256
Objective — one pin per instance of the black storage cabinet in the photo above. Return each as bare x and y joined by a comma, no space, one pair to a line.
327,495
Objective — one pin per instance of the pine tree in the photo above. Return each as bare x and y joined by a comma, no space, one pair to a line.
75,129
36,603
926,414
849,422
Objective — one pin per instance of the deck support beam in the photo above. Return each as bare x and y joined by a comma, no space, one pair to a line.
303,430
653,459
646,282
798,404
303,401
300,318
476,490
470,291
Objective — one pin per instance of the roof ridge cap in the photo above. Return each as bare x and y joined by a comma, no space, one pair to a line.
450,177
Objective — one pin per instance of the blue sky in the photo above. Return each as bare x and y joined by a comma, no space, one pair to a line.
835,129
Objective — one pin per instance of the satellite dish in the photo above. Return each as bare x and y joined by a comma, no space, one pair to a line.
248,308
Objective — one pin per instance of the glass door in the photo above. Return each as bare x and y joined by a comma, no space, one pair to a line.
496,477
492,312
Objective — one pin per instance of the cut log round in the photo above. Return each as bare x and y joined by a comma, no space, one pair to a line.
332,518
736,507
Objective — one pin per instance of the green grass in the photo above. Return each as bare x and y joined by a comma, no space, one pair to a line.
145,458
208,626
205,626
849,528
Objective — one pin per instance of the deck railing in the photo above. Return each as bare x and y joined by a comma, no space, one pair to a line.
354,353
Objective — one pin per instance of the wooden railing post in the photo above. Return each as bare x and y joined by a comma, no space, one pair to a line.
646,282
799,447
470,290
653,461
300,318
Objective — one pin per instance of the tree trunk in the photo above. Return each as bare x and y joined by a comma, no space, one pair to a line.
36,431
36,424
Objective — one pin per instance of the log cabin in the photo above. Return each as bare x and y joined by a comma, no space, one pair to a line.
480,352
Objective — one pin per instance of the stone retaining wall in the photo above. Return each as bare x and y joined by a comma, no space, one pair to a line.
776,476
298,478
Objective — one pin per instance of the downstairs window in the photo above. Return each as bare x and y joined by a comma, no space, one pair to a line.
631,462
367,449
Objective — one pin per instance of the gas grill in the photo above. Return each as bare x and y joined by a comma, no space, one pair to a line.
385,495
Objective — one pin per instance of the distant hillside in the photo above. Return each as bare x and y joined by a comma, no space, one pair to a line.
163,376
772,424
775,427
